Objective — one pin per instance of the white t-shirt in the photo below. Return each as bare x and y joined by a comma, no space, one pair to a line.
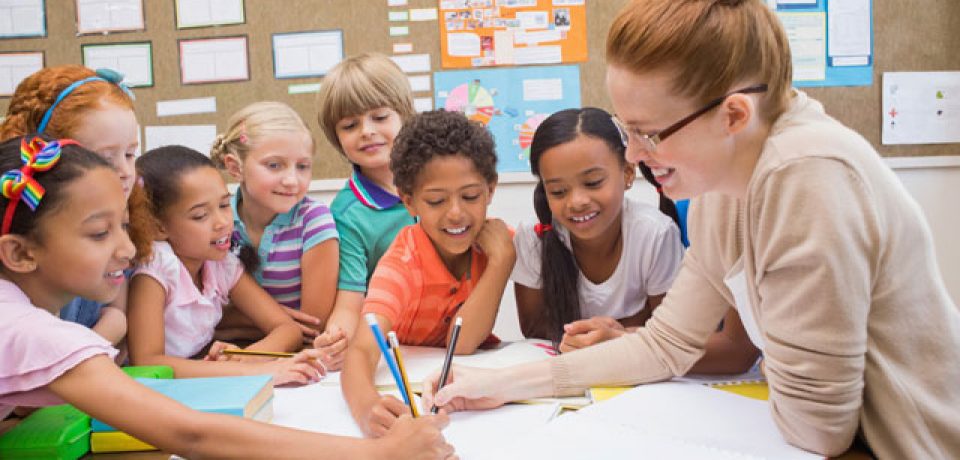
651,257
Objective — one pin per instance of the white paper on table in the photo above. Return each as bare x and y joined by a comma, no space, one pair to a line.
463,44
413,63
419,82
323,409
108,15
921,107
570,436
186,106
537,55
807,34
14,67
197,137
22,18
697,415
199,13
542,89
133,60
306,54
420,362
213,59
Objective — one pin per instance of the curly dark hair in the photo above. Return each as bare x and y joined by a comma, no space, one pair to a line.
440,133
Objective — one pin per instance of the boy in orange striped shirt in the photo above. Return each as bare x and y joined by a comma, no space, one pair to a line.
452,262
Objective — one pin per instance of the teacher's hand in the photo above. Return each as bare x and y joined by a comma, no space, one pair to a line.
467,388
586,332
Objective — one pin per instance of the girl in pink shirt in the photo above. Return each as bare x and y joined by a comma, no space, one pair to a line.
62,236
177,298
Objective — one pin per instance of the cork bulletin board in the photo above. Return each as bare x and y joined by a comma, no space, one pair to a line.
906,38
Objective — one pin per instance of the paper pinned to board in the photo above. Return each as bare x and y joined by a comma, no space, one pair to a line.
197,137
14,67
22,18
133,60
95,16
203,13
921,108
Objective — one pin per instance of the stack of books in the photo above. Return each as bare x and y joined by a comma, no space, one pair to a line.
247,396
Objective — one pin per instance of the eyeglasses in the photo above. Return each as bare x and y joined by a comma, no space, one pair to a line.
648,141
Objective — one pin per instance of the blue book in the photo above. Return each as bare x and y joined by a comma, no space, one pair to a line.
244,396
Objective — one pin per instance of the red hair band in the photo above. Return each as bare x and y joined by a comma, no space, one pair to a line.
541,229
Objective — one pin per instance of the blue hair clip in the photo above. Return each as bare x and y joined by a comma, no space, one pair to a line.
107,75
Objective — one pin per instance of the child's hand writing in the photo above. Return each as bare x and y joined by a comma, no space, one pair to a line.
382,415
309,324
586,332
303,368
333,345
417,439
467,388
496,242
215,353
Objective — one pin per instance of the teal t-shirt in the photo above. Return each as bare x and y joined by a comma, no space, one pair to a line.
368,219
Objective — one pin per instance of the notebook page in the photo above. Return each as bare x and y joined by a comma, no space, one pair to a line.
323,409
699,415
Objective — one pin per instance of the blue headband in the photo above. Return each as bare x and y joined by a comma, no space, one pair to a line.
107,75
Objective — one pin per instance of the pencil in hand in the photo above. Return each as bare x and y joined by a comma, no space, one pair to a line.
395,345
448,360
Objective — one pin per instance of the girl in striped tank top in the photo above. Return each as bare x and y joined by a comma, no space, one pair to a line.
287,240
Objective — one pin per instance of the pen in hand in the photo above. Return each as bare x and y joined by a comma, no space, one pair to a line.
448,360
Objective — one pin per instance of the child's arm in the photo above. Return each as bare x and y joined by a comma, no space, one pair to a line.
480,310
340,328
146,343
530,310
374,413
729,350
176,428
281,332
319,269
112,324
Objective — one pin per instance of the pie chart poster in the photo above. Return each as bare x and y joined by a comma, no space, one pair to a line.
510,101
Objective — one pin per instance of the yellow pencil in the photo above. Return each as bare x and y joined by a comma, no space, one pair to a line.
395,344
275,354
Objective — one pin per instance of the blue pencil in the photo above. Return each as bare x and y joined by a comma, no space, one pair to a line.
387,355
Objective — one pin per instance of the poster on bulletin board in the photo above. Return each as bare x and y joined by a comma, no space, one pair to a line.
511,102
485,33
831,41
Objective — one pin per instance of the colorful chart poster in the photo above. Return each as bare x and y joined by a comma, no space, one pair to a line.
485,33
511,102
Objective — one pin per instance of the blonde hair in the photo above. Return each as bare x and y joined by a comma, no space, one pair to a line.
711,45
358,84
251,124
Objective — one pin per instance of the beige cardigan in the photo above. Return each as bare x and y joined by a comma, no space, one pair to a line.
860,334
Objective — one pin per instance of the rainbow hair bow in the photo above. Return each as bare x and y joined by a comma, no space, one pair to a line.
20,185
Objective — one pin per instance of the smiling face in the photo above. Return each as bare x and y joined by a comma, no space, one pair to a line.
367,139
199,223
450,197
276,172
82,247
584,181
111,132
697,159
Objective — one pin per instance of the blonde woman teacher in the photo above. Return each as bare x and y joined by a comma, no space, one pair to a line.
795,221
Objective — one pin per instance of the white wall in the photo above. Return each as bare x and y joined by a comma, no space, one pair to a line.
933,182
